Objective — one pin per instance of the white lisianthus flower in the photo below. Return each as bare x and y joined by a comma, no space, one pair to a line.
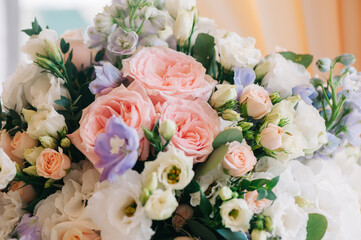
289,220
183,26
7,169
161,205
174,6
282,74
236,51
45,122
11,210
236,215
122,214
173,168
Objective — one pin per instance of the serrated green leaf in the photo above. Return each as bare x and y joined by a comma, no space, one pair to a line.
213,160
203,49
227,136
316,226
229,235
200,230
303,59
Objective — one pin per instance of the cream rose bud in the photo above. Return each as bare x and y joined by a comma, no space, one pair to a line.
167,129
52,164
7,169
258,235
231,115
236,215
161,205
271,137
225,193
20,142
183,26
235,51
257,99
239,159
174,6
73,230
173,168
46,122
31,154
224,93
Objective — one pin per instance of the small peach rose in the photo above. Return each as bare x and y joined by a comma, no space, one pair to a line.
271,137
27,192
73,231
253,204
5,140
20,142
52,164
181,215
257,99
239,159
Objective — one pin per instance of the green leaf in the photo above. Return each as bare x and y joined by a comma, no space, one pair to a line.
229,235
303,59
192,187
205,206
200,230
262,193
316,226
203,49
227,136
245,184
259,182
271,184
34,30
213,160
65,102
271,195
100,55
64,46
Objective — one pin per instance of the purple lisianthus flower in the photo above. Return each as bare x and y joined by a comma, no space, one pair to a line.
353,128
351,89
307,92
107,75
121,42
117,148
242,78
27,229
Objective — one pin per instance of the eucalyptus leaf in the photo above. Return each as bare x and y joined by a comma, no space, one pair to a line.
199,230
227,136
303,59
213,160
229,235
192,187
203,49
316,226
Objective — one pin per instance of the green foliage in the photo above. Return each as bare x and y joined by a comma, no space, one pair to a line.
316,226
203,50
100,55
155,140
201,231
13,121
229,235
227,136
303,59
205,207
34,30
213,160
264,187
64,46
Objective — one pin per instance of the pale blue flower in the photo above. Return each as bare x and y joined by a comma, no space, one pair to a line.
307,92
353,128
121,42
28,228
117,149
107,76
242,78
351,89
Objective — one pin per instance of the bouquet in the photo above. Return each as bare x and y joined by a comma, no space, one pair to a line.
160,126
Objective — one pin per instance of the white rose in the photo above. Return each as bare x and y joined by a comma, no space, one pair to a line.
224,93
183,26
173,168
174,6
11,210
46,122
235,51
7,169
72,230
282,74
122,214
289,220
236,215
161,205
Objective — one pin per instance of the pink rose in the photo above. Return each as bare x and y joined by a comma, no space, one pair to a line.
257,99
132,104
52,164
271,137
167,73
197,126
253,204
239,159
5,140
81,53
73,230
181,215
20,142
26,192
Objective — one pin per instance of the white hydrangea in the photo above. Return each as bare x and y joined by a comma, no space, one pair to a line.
11,212
7,169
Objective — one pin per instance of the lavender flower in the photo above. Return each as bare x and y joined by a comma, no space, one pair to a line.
27,229
242,78
307,92
121,42
95,38
107,75
351,89
327,150
353,131
117,148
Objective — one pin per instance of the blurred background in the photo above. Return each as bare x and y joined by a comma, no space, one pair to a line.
324,28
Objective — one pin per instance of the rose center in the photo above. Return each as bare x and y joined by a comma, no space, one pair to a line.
130,210
233,213
173,175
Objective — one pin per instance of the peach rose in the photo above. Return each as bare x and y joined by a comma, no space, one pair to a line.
167,73
5,140
257,99
131,103
239,159
271,137
73,231
20,142
253,204
52,164
26,192
197,126
81,53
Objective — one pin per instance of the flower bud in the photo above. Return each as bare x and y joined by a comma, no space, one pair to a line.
275,97
302,202
183,26
235,127
346,59
152,184
45,63
350,70
31,171
225,193
261,70
246,125
268,223
103,22
65,142
324,64
167,129
271,137
48,142
53,52
258,235
49,183
231,115
28,114
31,154
224,94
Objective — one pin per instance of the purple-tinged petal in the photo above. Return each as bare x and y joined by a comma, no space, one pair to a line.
242,78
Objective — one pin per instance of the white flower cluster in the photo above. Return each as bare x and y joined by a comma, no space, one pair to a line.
11,211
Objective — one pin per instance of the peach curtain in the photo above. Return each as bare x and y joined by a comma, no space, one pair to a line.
324,28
